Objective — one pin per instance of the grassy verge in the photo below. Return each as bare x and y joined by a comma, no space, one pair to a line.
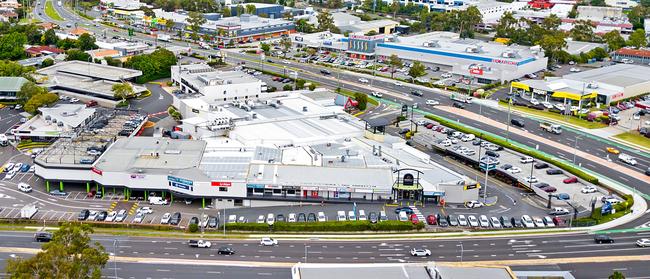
329,226
635,138
51,12
555,116
351,93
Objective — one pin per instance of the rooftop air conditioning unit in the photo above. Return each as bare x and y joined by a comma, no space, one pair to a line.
592,85
473,49
508,54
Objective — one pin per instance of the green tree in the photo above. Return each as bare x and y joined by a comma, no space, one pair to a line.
193,227
637,39
13,69
75,54
617,275
325,21
40,100
614,40
417,70
362,100
122,90
112,61
47,62
250,9
467,20
86,6
266,48
637,15
66,43
70,254
394,8
86,42
226,11
195,21
153,66
240,10
285,43
371,33
11,46
148,12
583,30
169,24
394,63
600,3
49,38
27,91
552,43
302,25
507,26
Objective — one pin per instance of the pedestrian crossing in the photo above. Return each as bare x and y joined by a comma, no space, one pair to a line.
417,212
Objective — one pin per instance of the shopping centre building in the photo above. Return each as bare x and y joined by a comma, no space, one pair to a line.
293,146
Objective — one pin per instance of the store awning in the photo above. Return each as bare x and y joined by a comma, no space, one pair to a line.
520,85
573,96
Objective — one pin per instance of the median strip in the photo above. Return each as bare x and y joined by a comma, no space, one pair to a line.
51,12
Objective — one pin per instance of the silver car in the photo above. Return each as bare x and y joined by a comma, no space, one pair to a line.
121,215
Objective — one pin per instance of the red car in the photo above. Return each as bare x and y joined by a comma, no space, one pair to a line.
570,180
431,220
91,103
414,219
429,126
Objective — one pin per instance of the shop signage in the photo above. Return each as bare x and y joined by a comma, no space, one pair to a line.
471,186
617,96
97,171
476,71
221,183
258,186
502,61
539,91
180,183
137,176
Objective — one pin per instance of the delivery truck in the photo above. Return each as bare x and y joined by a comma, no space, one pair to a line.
163,37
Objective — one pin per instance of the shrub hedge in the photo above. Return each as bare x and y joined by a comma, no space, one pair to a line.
533,153
329,226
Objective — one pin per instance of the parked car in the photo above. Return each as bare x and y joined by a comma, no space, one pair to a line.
526,160
462,220
165,218
495,223
406,209
110,217
139,217
42,236
431,220
559,211
570,180
83,215
59,193
517,122
516,222
554,171
588,189
527,221
101,216
541,165
484,221
175,219
505,222
311,217
452,220
121,215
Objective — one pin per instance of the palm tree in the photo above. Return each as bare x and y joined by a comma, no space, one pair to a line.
122,90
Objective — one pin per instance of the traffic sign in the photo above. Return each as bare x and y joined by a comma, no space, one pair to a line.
489,167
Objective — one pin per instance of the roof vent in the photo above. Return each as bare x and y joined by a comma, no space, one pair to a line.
173,151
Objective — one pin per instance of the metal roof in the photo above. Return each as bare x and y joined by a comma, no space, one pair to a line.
11,84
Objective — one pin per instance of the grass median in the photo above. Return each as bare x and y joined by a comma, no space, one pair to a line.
51,12
635,138
558,117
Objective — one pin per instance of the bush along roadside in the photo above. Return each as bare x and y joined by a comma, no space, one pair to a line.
329,226
510,145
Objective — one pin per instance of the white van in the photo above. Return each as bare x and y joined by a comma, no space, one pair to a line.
232,219
362,215
403,217
157,200
24,187
340,216
321,217
270,219
292,218
382,216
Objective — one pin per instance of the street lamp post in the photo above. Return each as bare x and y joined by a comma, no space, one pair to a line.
508,122
115,257
306,252
575,149
461,251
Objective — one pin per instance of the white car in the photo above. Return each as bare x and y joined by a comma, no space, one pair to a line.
539,222
462,221
531,179
74,100
165,218
420,122
588,189
362,215
377,94
574,69
446,142
17,167
145,210
352,216
270,219
121,215
560,107
10,174
495,222
420,252
139,217
111,216
363,80
612,201
547,105
472,221
291,218
534,102
514,170
446,75
267,241
468,137
261,219
636,116
24,187
9,167
397,83
286,62
92,215
483,220
643,242
340,215
321,217
526,160
432,102
474,204
527,221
